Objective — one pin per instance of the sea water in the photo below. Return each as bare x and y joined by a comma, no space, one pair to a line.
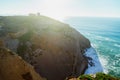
104,35
94,64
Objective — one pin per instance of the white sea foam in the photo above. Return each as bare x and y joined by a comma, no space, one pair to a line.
117,45
104,61
101,38
90,52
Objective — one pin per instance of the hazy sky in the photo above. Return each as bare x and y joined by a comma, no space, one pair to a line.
62,8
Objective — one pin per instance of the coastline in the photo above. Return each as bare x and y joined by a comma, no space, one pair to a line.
96,67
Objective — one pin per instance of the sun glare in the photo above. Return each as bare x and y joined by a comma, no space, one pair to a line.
55,8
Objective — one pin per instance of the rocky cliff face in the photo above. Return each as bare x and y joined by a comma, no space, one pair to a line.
13,67
53,48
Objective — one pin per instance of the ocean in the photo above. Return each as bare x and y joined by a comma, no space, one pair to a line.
104,35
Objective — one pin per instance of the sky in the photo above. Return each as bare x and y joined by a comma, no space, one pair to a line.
60,9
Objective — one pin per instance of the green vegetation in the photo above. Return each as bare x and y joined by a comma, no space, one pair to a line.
25,37
98,76
88,77
22,28
21,49
16,23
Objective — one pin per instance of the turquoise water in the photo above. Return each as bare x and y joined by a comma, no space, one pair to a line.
104,34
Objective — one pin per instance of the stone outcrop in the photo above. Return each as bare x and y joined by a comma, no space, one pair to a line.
53,48
13,67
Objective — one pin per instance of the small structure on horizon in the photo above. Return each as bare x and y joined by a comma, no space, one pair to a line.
32,14
38,14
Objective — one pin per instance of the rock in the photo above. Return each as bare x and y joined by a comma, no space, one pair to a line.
53,48
1,43
13,67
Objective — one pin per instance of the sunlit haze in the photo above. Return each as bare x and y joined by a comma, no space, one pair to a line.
59,9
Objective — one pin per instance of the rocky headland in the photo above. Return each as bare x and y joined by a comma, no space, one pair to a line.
40,45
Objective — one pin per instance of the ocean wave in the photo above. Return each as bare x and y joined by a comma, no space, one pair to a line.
104,63
117,45
97,67
95,36
101,38
105,38
111,64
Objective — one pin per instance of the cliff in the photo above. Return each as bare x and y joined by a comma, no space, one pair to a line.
13,67
54,49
